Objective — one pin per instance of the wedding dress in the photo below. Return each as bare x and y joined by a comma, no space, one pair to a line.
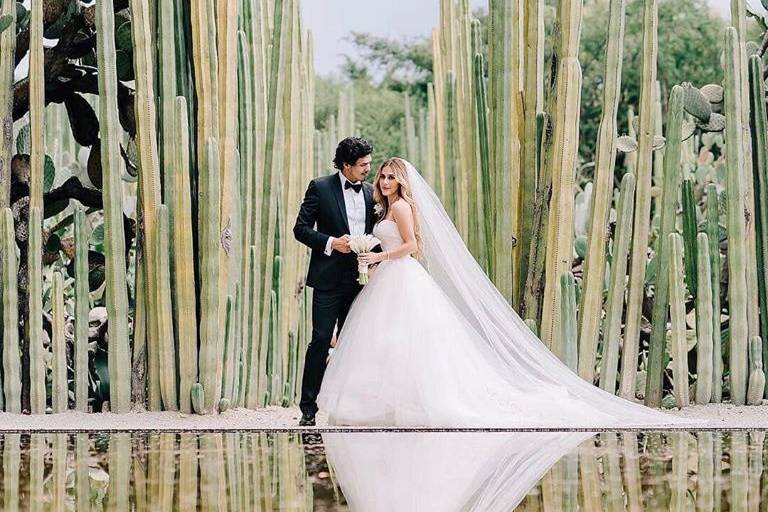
436,345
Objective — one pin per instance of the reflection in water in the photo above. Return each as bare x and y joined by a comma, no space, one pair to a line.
544,472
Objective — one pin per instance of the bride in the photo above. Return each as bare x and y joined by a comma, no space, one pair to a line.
430,342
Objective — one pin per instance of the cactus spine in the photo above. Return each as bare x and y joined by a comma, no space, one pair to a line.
10,321
643,173
59,347
704,345
114,240
737,257
594,266
677,316
37,365
666,227
617,284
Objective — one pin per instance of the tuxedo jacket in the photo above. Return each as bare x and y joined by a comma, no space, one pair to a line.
323,214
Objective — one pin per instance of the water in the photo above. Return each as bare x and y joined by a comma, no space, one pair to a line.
384,471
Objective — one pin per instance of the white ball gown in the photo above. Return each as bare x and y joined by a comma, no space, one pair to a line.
441,348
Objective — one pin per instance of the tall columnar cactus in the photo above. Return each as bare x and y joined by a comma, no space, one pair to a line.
82,308
485,170
114,240
737,247
568,326
37,365
185,299
563,159
59,392
759,125
229,348
594,265
669,203
643,173
713,234
756,386
679,347
704,345
617,284
9,268
36,104
165,344
7,66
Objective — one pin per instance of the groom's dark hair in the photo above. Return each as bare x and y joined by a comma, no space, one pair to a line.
350,150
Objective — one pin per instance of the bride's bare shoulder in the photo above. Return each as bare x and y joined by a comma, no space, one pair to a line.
401,207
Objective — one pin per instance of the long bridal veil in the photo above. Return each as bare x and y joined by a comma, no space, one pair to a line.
522,358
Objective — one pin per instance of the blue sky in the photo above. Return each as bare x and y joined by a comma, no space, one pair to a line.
332,20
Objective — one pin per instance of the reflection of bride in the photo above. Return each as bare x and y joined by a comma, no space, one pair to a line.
443,470
435,344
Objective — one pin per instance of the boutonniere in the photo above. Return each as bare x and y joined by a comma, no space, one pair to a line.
378,209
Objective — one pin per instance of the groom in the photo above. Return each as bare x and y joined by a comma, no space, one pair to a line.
334,208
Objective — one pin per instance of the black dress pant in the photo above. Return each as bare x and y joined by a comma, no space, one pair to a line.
328,308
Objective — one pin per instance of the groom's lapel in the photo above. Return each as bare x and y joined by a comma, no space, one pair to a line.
339,193
368,207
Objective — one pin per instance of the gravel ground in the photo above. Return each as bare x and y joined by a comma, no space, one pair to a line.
719,416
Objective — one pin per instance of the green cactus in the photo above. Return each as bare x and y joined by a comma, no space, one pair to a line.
59,390
36,104
114,241
229,348
9,270
594,265
756,386
666,227
224,404
713,235
704,334
737,247
531,323
568,326
759,126
82,308
641,228
485,171
37,365
690,228
165,346
679,347
197,397
7,66
617,284
185,299
695,103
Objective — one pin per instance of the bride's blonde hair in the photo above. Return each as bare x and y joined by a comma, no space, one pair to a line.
397,166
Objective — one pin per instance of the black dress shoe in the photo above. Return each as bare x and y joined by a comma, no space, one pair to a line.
307,420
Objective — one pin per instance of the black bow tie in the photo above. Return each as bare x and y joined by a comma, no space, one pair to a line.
357,187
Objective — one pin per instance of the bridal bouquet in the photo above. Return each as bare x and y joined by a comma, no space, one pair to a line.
361,244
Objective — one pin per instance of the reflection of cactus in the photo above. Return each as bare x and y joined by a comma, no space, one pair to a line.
10,320
737,251
666,226
704,357
617,284
679,348
713,234
58,347
114,239
756,373
759,127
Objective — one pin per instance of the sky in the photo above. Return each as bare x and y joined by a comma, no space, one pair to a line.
332,20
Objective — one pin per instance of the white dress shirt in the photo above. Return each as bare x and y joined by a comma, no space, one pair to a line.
354,203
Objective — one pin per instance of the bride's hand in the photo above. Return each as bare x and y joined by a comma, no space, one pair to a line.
369,258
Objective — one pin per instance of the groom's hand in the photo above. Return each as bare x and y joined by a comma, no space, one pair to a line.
341,244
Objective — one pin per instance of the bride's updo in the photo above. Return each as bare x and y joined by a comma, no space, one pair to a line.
397,166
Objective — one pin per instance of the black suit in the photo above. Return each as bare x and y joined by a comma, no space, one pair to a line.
334,278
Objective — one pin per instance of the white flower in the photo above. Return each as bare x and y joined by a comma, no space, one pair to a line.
360,244
378,209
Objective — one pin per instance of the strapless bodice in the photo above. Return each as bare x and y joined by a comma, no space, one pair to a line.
388,233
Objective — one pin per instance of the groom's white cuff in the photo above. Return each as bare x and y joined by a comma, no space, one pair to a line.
329,246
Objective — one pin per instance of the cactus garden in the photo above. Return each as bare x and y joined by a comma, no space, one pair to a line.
154,156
